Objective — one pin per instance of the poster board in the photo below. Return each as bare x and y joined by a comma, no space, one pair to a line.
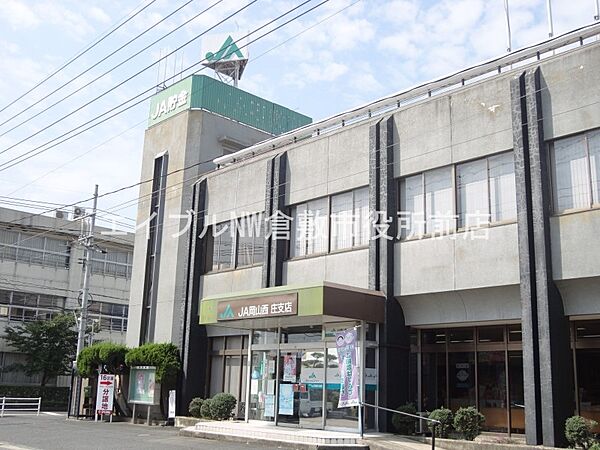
105,394
143,388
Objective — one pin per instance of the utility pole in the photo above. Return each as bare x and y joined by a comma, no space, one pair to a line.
87,241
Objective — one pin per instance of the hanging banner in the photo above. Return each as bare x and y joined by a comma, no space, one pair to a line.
289,368
345,342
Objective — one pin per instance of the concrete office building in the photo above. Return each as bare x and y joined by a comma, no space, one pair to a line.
41,275
454,223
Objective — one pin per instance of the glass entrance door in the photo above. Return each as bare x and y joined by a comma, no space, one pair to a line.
301,377
262,385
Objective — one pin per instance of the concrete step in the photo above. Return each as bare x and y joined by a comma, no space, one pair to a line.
295,438
395,443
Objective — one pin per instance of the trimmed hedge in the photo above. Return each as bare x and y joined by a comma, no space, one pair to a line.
53,397
578,431
195,407
446,417
222,406
404,424
165,357
469,422
103,353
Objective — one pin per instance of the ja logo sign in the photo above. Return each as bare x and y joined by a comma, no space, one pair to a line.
227,313
227,51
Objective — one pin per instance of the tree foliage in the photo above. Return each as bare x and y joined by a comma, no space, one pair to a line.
578,431
165,357
48,346
107,354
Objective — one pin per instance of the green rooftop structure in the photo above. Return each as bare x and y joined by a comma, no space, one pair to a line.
205,93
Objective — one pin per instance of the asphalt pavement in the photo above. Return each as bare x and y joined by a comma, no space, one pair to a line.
51,431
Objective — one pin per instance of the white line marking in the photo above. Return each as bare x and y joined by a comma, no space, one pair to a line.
52,413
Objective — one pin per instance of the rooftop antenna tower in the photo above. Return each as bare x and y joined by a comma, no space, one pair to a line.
225,55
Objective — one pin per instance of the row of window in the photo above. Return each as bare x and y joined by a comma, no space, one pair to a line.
311,229
437,201
32,249
483,191
24,306
109,316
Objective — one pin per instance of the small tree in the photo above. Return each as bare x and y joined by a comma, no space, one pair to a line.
48,346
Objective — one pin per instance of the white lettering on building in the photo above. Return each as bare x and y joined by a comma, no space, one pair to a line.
170,104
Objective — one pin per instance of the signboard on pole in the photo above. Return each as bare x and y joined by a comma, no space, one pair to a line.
143,388
172,394
105,394
345,342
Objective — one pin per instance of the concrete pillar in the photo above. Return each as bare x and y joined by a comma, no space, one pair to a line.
194,342
547,362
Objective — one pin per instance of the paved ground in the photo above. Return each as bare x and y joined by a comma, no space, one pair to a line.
53,432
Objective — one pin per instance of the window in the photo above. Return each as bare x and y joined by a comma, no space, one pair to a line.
222,255
237,243
426,203
115,263
24,306
309,228
350,219
250,240
576,171
109,316
486,190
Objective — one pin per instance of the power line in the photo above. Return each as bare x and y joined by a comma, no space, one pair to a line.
27,155
128,59
78,55
127,79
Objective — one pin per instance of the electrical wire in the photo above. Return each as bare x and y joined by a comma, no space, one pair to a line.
127,79
128,59
12,162
81,53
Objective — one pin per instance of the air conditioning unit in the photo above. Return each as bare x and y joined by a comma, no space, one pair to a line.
78,212
61,214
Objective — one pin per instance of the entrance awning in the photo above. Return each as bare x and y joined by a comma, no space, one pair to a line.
285,305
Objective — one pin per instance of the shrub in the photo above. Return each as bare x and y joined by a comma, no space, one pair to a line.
165,357
205,409
107,354
578,431
196,407
595,446
54,398
221,406
446,418
404,424
468,421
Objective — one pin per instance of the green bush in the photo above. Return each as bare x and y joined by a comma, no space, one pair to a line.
205,409
468,421
404,424
221,406
446,418
195,407
107,354
578,431
165,357
595,446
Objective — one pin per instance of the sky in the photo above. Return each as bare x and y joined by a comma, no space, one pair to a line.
342,54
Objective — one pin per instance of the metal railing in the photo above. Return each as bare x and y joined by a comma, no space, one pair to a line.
434,422
21,405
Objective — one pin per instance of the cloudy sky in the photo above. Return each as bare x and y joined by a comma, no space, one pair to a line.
343,54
